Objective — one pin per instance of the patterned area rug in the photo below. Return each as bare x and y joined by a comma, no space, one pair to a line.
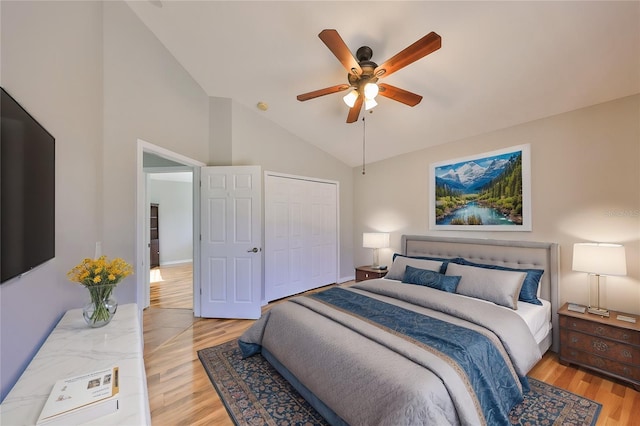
254,393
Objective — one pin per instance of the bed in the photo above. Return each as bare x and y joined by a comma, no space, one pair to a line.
445,338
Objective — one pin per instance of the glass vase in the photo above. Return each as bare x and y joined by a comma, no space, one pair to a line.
101,307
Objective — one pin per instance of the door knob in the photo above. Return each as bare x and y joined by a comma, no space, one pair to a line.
253,250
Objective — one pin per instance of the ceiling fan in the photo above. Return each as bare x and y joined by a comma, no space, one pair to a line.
363,73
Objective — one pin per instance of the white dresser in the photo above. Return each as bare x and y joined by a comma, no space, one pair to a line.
72,349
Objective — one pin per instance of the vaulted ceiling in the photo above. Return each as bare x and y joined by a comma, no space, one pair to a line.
501,63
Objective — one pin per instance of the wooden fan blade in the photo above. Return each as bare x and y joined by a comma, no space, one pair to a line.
322,92
421,48
338,47
354,112
398,94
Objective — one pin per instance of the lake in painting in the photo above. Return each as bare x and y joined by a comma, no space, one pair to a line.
487,216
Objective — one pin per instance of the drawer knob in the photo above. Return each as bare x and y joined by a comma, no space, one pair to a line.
599,345
573,353
598,362
574,325
366,275
625,336
574,339
626,353
599,330
626,371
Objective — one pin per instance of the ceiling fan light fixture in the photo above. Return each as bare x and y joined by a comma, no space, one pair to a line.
363,73
350,98
371,90
369,104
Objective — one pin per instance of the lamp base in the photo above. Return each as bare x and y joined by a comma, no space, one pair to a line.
598,311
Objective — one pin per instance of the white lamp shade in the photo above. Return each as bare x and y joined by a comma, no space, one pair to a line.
599,258
350,98
369,103
375,240
370,90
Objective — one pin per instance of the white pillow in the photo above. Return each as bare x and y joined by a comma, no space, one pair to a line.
493,285
396,272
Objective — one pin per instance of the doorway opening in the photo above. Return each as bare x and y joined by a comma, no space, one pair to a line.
170,195
167,178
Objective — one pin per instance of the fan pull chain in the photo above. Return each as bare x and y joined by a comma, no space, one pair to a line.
364,132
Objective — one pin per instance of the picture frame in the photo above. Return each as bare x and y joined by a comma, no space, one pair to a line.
484,192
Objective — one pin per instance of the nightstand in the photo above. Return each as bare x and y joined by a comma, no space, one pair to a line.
607,345
364,273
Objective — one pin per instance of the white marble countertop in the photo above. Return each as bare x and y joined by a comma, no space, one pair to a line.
73,348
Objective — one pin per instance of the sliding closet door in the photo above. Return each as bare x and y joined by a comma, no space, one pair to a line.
301,231
284,237
323,198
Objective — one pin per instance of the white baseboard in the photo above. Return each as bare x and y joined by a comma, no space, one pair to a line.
345,279
176,262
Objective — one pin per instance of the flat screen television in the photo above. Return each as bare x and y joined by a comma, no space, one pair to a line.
27,191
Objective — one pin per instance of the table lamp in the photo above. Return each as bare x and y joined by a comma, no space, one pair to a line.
376,241
599,259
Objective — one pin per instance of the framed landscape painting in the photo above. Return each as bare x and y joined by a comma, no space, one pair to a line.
486,192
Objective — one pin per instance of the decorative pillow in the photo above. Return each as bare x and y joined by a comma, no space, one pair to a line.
529,291
430,279
396,272
445,261
499,287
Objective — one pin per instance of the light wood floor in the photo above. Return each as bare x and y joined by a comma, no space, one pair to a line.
180,392
172,287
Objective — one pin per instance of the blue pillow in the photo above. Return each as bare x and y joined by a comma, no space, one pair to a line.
445,261
529,290
431,279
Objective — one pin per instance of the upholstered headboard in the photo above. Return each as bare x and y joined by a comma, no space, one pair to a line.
514,254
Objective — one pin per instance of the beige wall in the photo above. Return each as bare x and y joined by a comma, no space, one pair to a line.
147,95
52,65
585,168
220,135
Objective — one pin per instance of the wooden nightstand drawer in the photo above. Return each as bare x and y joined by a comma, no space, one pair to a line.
602,347
603,330
364,273
628,372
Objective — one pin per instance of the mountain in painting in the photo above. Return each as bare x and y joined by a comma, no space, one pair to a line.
471,176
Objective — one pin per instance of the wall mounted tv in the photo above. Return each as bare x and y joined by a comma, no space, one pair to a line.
27,191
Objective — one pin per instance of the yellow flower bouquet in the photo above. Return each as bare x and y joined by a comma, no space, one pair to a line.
100,276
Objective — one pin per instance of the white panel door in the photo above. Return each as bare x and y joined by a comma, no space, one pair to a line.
231,242
285,230
323,238
300,235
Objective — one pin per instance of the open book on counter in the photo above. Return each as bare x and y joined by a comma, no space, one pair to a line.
82,398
